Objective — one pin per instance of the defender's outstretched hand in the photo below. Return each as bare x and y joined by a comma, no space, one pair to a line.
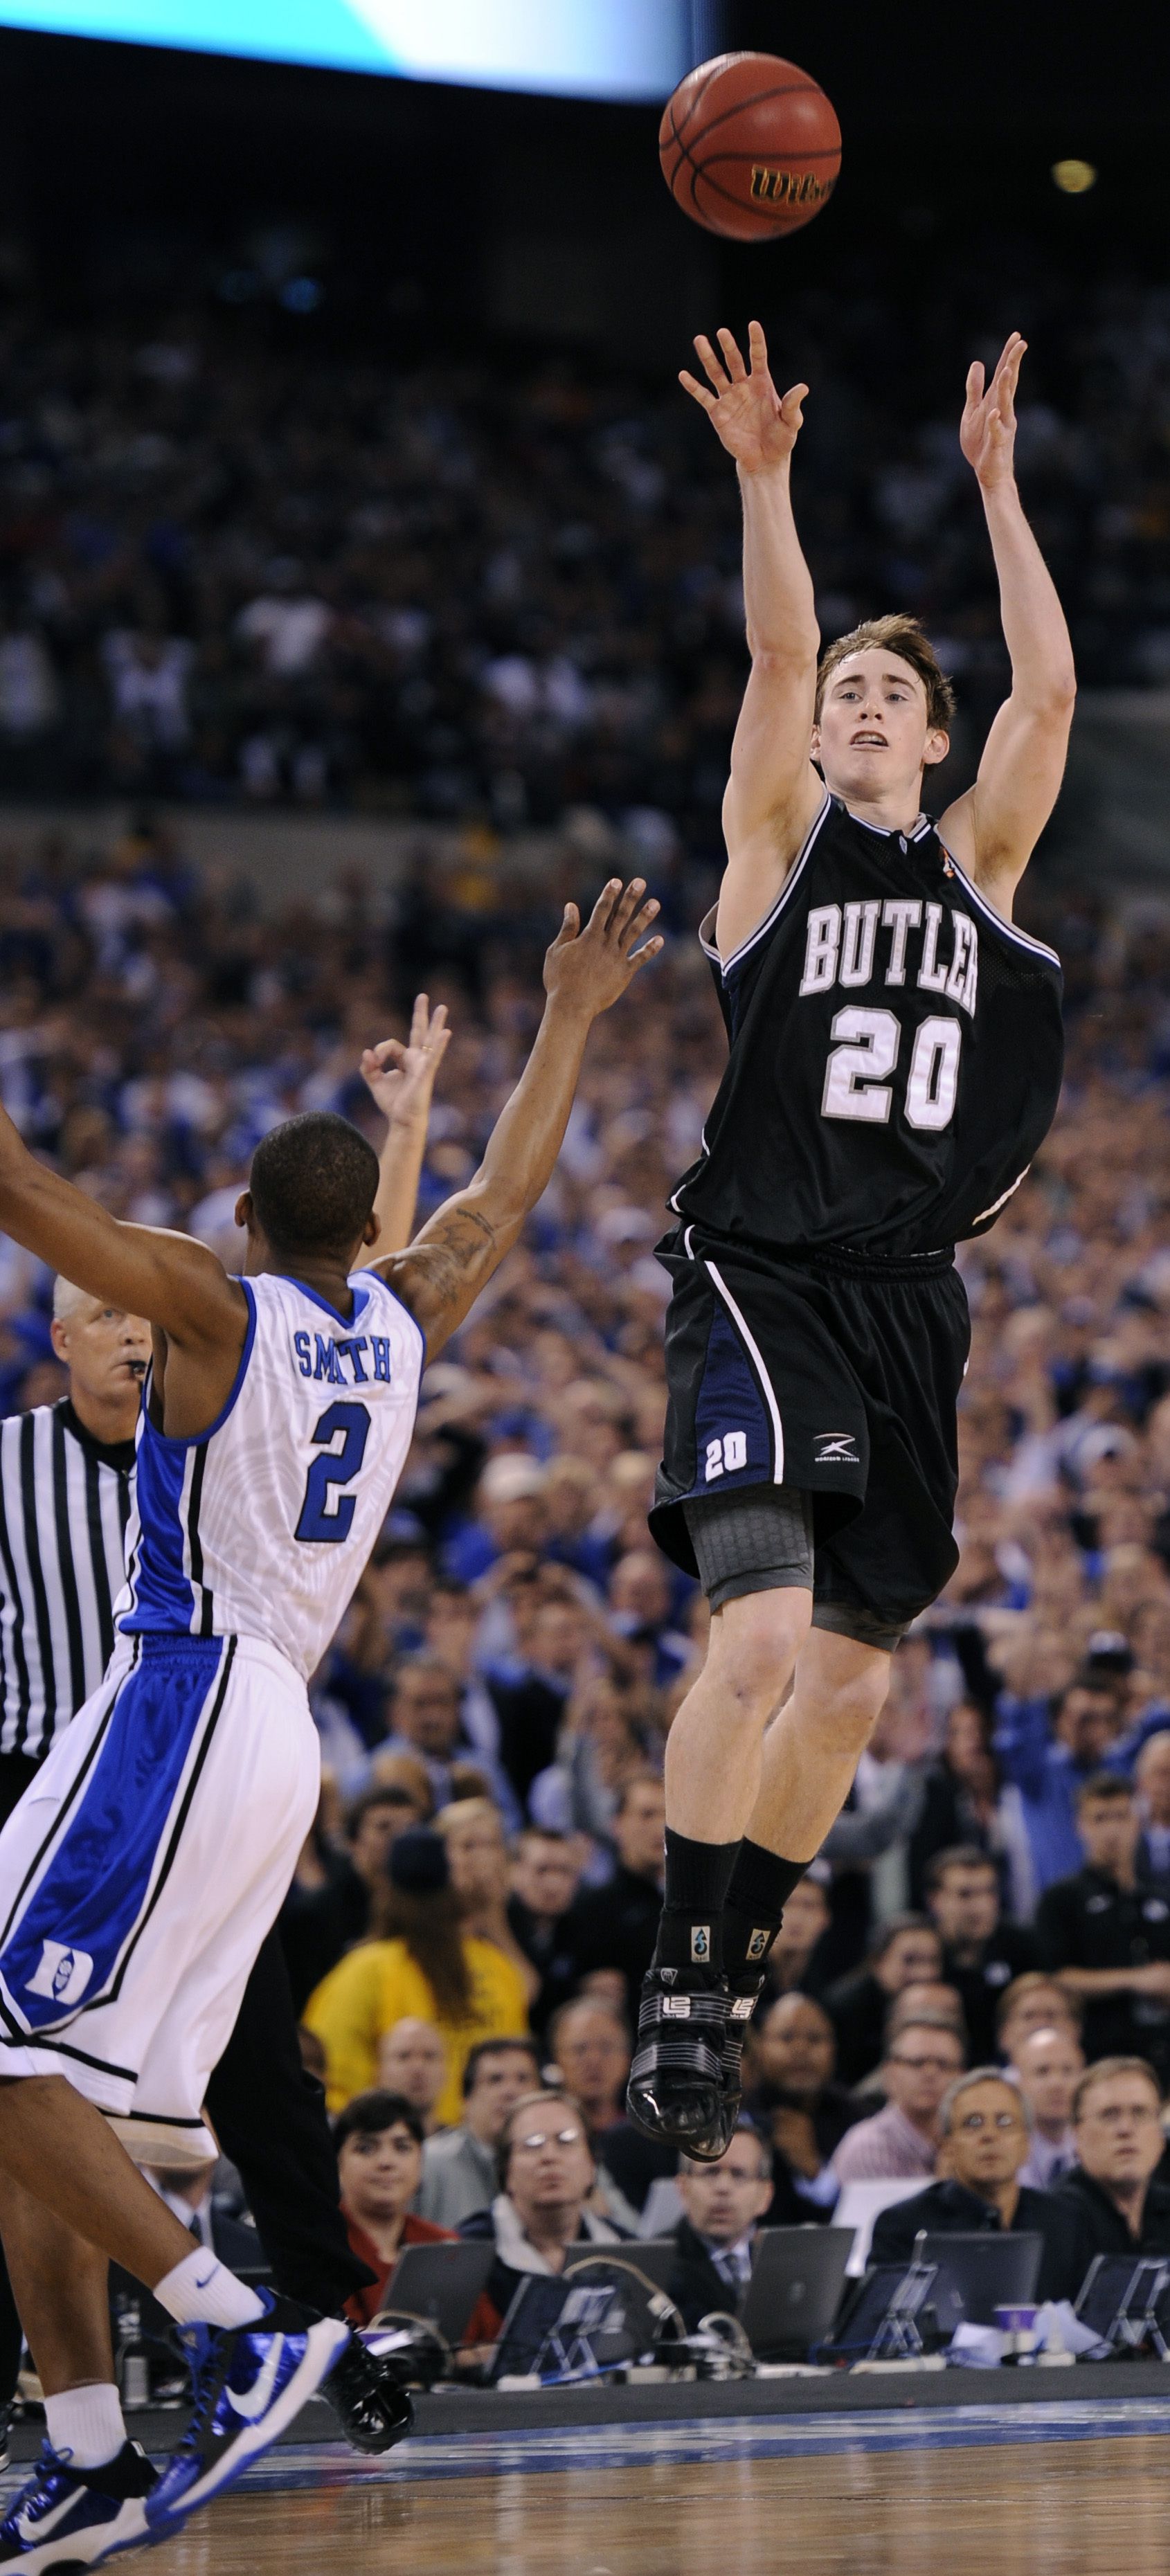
756,426
590,969
401,1077
987,431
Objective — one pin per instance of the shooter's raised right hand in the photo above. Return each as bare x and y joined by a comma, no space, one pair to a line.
756,426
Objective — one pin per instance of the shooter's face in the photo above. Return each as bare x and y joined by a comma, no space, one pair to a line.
873,738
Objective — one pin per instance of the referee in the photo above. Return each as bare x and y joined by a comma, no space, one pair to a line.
66,1474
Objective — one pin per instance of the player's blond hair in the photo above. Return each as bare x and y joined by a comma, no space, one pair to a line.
903,636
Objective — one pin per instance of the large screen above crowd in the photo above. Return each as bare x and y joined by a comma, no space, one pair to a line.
631,49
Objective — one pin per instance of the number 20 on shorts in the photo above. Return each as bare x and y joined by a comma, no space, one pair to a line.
726,1454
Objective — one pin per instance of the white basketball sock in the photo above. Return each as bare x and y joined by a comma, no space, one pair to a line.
202,2292
86,2424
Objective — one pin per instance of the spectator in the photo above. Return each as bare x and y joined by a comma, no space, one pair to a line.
510,1516
610,1931
546,2175
1108,1938
981,1955
1050,2066
929,1999
641,1611
412,2062
545,1873
328,1905
1047,1758
792,1959
902,1950
1117,2122
379,2140
902,2140
424,1720
419,1962
459,2165
189,2190
985,2131
1152,1781
723,2206
1034,2002
602,1747
477,1857
590,2047
796,2104
531,1691
960,1794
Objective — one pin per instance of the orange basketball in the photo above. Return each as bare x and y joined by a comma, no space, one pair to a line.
750,147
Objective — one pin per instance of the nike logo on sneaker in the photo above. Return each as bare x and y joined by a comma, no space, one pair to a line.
257,2399
34,2527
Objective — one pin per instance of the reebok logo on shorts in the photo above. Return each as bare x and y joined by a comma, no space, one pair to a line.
835,1448
758,1944
700,1944
63,1974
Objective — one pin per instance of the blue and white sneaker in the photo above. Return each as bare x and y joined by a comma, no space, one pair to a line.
249,2384
67,2517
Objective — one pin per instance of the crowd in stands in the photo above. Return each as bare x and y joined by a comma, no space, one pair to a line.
230,571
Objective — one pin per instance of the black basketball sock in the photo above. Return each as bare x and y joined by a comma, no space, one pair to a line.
689,1935
754,1910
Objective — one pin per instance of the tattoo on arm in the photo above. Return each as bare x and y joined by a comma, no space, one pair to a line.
447,1267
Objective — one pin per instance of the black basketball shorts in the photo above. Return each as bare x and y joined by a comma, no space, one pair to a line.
833,1372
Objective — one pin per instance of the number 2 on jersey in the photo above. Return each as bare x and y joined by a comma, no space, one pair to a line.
321,1518
866,1051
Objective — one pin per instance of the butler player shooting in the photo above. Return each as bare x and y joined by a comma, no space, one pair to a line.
895,1060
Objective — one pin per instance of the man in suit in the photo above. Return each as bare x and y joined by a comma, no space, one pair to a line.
723,2205
188,2190
1117,2128
986,2131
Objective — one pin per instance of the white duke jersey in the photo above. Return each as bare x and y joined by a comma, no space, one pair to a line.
262,1524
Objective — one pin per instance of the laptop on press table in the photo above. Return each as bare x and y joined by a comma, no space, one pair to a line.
440,2283
794,2293
989,2272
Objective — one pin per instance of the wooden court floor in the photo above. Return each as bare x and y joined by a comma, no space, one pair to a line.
1086,2508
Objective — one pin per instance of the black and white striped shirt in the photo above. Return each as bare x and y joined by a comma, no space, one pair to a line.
65,1499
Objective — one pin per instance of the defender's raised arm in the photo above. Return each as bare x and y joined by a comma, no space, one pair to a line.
401,1079
993,829
773,791
170,1278
440,1275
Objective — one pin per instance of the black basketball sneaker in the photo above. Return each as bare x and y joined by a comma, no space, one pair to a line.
368,2399
745,1995
677,2090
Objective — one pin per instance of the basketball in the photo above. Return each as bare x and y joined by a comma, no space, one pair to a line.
750,146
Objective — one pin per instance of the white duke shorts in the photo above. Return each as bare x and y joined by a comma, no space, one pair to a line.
140,1873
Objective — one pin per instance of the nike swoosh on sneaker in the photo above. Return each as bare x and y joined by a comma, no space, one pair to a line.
258,2398
34,2527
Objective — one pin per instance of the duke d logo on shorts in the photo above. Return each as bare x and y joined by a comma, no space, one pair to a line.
63,1974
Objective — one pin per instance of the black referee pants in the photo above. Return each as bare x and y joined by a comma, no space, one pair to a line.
269,2115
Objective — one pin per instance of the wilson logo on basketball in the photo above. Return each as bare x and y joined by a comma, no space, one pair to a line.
789,187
